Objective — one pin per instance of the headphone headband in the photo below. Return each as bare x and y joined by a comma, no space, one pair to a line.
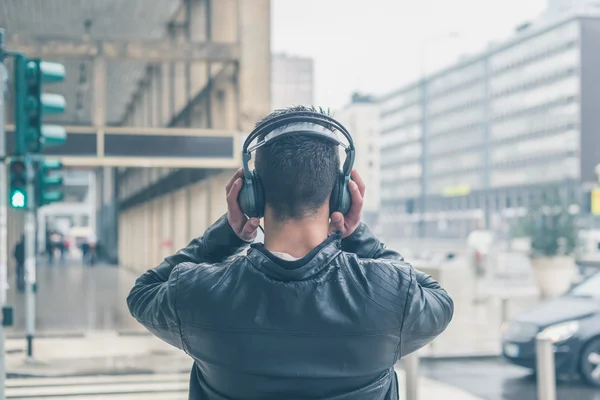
308,123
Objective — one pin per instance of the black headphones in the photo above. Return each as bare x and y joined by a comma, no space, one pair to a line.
307,123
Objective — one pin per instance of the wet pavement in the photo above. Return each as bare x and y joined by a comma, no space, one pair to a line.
77,299
494,379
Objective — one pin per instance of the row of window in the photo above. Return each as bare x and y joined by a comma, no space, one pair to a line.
554,118
554,170
455,99
473,180
400,154
402,117
452,142
535,46
518,102
404,134
400,100
457,162
401,173
456,120
535,71
405,190
526,149
456,78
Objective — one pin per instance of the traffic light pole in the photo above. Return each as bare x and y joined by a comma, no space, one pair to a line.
30,272
3,214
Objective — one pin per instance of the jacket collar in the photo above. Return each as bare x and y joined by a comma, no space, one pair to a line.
301,269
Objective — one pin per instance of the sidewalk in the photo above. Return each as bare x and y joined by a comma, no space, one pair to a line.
108,353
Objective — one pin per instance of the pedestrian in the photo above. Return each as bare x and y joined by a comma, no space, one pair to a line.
321,310
19,255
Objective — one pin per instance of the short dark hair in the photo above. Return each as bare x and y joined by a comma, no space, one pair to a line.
297,172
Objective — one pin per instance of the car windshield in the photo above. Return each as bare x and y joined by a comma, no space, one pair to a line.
588,288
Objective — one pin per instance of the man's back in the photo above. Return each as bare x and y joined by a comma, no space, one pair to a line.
328,326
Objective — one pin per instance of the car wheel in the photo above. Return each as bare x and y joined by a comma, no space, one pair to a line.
590,363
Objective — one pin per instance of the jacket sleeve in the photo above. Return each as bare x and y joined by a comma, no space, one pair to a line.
428,309
427,313
153,299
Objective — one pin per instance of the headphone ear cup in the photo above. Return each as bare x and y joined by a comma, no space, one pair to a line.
345,198
259,196
246,198
336,194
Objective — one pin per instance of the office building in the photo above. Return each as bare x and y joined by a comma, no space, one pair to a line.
471,146
361,118
292,81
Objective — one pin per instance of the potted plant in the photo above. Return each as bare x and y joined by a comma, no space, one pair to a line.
552,228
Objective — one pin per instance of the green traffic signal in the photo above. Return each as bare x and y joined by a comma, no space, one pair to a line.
18,185
18,199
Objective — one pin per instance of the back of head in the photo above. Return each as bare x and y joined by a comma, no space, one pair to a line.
297,172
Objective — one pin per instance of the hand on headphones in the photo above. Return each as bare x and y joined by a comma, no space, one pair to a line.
244,227
347,224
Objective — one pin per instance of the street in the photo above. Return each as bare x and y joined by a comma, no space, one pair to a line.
494,379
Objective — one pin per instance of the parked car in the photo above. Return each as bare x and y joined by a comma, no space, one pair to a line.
572,321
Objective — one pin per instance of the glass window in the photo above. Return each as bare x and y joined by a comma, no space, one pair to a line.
456,77
450,143
408,133
400,100
456,120
520,101
456,99
555,170
555,118
535,71
456,162
536,147
472,180
535,46
398,154
401,117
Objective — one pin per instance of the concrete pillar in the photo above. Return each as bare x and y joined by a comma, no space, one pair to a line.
255,63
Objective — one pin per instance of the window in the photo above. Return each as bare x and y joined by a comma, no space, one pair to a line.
555,118
535,71
555,170
456,120
456,99
401,117
561,90
536,147
535,46
400,100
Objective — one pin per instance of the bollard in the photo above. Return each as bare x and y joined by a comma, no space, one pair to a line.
411,373
504,309
546,372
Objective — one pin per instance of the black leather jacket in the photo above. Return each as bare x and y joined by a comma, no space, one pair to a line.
328,326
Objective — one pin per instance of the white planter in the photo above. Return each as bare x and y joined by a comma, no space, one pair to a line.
554,275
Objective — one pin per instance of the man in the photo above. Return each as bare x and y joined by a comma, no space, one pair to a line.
19,255
322,310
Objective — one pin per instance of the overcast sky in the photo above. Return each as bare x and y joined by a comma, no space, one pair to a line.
376,46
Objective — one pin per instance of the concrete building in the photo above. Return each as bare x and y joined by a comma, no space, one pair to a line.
472,145
292,81
159,95
361,118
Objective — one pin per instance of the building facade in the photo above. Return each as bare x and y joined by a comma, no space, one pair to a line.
361,118
470,147
292,81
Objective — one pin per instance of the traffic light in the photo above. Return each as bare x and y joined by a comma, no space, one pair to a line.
48,187
17,194
31,104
